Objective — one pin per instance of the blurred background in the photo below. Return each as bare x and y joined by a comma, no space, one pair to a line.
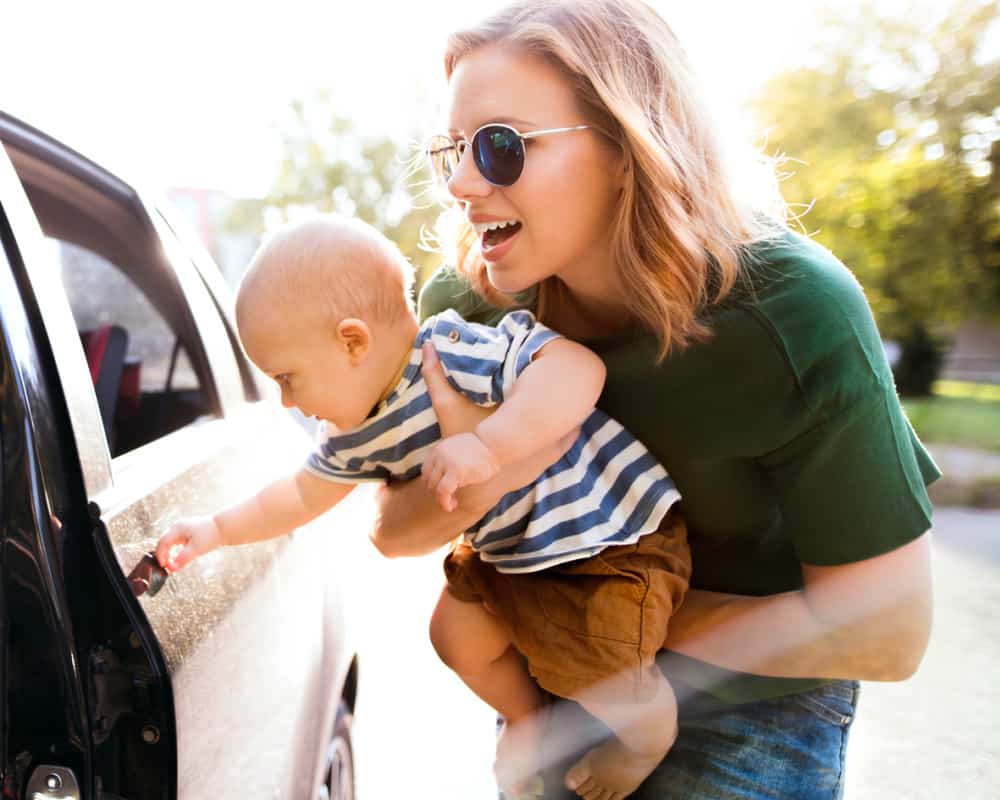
883,119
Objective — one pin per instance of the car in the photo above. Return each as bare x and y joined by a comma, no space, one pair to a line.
126,402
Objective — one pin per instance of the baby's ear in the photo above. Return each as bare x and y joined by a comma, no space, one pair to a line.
355,336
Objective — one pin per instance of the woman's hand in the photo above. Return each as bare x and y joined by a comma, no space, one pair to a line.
869,620
409,520
456,413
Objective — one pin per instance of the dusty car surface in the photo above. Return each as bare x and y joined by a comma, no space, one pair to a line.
125,403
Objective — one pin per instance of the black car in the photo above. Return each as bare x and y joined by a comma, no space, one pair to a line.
125,403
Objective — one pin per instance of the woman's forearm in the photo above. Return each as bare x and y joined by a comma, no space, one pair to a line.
866,620
410,522
781,636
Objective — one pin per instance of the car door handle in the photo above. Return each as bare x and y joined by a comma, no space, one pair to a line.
148,576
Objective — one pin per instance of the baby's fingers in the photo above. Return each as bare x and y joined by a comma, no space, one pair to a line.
172,551
167,542
432,471
445,492
178,557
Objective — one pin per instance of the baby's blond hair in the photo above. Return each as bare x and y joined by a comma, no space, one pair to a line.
331,267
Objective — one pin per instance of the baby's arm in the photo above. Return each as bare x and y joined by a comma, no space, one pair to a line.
275,510
553,395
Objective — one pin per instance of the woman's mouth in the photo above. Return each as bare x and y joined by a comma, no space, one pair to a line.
495,236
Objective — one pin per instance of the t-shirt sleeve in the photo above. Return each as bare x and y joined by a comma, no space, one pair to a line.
849,473
448,289
854,486
332,459
483,361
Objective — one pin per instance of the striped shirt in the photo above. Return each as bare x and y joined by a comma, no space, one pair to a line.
606,490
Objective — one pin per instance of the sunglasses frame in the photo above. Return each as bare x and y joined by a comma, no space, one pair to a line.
461,145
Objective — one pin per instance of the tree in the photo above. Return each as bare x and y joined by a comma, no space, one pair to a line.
328,166
893,139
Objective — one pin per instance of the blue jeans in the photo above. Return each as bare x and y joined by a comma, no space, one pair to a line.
786,748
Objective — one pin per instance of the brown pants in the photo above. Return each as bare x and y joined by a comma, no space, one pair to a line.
590,625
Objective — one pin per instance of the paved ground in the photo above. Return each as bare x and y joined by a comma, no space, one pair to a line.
420,733
970,477
936,735
963,463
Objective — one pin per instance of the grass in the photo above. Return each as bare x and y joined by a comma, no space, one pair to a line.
958,413
964,389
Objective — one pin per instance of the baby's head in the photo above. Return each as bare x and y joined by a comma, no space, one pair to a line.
325,310
327,267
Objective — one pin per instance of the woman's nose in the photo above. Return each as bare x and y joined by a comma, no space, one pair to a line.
467,182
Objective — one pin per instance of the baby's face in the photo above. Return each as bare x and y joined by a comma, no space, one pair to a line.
314,371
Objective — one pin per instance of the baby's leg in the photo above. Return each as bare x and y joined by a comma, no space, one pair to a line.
474,643
643,734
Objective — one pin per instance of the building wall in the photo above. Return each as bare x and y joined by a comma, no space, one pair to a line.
975,353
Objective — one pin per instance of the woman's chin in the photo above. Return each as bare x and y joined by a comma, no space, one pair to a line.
505,283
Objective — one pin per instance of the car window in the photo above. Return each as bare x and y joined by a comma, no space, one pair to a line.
146,361
101,294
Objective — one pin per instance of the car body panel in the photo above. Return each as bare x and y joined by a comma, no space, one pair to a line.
250,617
44,695
43,292
243,657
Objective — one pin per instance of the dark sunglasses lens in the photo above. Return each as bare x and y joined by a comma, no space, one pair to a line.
444,156
499,154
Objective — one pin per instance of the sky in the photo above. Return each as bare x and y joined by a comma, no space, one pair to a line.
192,92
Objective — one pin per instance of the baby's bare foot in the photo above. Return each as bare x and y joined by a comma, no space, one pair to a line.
613,769
519,761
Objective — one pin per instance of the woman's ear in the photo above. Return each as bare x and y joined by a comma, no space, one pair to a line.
355,337
618,164
624,167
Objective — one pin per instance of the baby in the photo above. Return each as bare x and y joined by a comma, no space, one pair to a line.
569,581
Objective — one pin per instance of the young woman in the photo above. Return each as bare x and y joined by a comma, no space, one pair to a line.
742,354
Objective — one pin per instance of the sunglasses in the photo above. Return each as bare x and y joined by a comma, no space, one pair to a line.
498,151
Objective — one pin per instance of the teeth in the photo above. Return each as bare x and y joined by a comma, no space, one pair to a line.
482,227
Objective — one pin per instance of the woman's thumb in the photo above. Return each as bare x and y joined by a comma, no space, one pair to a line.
437,383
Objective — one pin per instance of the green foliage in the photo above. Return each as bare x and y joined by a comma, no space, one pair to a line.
967,389
966,421
892,135
328,166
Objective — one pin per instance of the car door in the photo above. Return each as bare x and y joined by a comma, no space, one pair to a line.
244,638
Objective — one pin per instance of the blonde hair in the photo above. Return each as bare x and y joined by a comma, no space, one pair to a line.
680,230
329,265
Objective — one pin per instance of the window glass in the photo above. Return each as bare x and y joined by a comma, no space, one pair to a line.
146,359
100,294
157,390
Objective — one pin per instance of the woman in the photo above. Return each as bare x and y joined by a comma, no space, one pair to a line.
743,355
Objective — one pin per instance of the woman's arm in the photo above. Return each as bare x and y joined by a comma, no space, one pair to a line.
869,620
409,521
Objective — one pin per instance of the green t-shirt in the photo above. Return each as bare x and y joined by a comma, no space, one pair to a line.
783,432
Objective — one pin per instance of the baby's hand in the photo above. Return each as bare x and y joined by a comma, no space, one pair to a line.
458,461
185,540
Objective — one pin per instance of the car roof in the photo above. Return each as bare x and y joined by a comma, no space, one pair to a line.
36,143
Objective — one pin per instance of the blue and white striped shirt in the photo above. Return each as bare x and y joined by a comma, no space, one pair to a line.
608,489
